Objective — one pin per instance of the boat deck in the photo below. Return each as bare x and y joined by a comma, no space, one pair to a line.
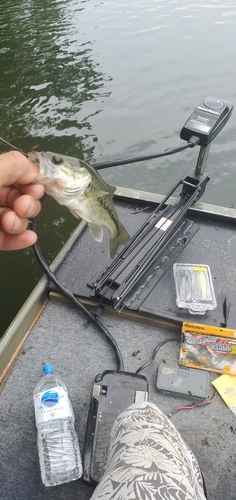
79,352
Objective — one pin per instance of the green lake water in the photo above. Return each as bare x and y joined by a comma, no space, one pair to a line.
105,80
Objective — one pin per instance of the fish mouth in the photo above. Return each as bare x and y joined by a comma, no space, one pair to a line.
45,170
35,159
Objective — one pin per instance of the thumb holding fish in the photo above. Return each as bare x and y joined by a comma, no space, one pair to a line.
18,200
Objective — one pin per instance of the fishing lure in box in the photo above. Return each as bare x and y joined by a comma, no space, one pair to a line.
194,288
208,348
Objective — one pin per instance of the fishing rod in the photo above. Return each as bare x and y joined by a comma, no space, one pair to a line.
12,146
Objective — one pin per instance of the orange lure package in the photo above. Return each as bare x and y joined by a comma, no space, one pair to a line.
208,348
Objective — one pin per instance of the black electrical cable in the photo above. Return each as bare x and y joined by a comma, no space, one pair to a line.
134,159
149,362
79,306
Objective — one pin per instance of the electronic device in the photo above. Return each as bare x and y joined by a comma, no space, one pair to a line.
112,393
207,120
180,381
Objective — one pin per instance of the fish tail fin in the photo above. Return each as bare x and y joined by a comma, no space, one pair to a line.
122,239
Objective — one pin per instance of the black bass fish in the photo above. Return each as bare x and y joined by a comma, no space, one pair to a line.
73,183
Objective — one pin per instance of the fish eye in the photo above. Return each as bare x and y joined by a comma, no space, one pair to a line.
57,160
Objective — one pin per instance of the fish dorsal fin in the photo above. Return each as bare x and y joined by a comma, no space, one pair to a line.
96,232
112,189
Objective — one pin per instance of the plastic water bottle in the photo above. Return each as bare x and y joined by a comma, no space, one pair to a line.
58,447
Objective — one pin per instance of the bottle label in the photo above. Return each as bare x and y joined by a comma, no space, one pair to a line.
51,405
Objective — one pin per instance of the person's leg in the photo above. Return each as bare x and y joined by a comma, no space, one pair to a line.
148,458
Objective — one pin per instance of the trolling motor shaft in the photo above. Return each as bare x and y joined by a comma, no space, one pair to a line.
202,159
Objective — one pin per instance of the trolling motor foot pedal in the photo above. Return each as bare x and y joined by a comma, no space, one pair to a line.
112,393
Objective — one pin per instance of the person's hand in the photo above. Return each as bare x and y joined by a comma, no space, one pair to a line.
18,200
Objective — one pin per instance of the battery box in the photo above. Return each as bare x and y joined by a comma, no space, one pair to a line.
112,393
181,381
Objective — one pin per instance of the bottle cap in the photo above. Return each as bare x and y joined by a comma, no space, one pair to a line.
48,368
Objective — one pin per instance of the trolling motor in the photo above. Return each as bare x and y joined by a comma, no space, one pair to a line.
157,243
206,121
204,124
